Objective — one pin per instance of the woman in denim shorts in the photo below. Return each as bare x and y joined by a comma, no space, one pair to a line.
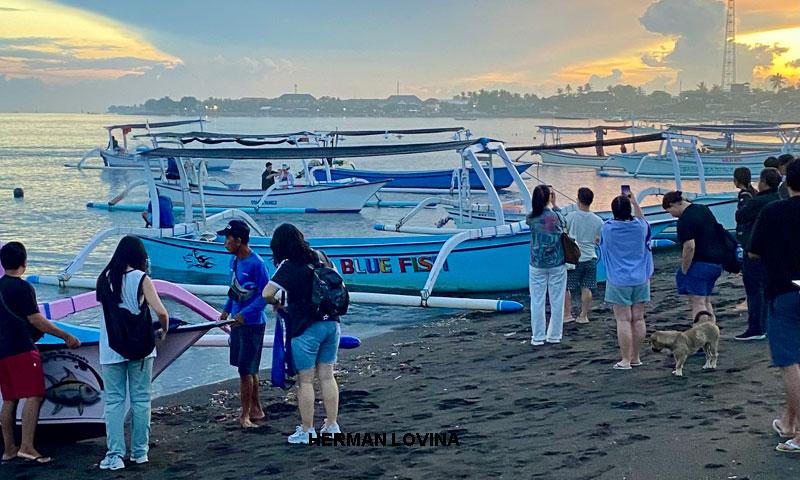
314,338
626,255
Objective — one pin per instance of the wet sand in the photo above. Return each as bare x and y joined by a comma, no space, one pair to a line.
557,411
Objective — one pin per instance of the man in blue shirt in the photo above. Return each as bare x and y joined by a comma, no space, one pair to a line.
246,305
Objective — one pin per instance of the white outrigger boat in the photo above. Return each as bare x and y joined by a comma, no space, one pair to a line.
116,155
566,154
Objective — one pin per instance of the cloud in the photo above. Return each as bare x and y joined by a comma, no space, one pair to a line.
601,82
698,27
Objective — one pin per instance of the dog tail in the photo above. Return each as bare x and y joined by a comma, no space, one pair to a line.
699,316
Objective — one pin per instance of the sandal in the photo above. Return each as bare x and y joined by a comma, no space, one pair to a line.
34,460
620,366
636,364
789,446
777,428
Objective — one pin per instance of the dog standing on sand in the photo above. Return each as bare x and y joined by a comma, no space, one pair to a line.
704,334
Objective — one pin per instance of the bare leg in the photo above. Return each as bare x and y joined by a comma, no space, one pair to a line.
256,412
246,396
7,422
791,381
638,331
330,392
710,308
624,334
586,302
697,304
305,397
567,304
30,417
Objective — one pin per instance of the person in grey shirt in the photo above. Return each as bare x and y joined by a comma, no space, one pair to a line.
583,226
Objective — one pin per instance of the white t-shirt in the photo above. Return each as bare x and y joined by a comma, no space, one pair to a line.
585,228
130,302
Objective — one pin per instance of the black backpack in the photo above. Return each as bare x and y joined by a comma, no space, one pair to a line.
729,247
329,294
130,335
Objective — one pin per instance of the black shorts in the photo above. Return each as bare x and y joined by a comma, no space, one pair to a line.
246,344
584,275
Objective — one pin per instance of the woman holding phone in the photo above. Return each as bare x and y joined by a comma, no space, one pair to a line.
626,256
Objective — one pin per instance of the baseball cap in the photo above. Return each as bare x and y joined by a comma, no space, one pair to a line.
285,166
236,229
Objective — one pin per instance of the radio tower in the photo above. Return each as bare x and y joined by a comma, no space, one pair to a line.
729,56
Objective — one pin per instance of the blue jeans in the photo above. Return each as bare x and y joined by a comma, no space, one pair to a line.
118,378
754,279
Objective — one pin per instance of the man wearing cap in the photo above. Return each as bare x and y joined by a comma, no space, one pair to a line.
285,178
245,304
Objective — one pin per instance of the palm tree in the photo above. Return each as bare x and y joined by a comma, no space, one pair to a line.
559,91
568,89
702,87
587,87
777,81
580,89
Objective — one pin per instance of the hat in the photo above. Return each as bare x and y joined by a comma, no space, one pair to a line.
236,229
285,166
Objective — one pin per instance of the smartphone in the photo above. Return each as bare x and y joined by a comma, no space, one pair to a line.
625,190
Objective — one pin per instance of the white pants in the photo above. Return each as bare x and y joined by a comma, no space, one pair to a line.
540,282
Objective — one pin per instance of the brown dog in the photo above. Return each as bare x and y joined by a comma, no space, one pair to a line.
704,334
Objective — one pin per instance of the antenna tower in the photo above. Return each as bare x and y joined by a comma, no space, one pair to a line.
729,56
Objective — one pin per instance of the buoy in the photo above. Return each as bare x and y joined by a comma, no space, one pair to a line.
18,193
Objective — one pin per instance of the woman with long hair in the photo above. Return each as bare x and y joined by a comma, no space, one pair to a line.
314,338
125,284
547,272
629,265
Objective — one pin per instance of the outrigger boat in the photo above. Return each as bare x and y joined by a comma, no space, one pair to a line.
558,154
117,155
73,380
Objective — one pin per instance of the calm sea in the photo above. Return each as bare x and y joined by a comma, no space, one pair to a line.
54,223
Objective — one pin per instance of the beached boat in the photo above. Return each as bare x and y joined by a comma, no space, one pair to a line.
116,155
715,165
73,381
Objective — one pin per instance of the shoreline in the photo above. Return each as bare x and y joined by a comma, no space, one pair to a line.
557,411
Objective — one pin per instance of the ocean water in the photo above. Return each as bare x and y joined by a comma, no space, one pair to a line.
54,223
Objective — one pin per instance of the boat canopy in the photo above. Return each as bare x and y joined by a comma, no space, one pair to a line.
737,128
312,152
217,135
175,123
559,129
653,137
414,131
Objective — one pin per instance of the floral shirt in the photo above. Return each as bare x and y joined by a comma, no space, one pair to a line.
546,248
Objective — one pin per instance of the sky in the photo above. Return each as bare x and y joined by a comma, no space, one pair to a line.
84,55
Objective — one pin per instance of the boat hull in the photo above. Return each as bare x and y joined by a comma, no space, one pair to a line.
342,197
73,378
430,179
715,165
568,159
126,160
371,263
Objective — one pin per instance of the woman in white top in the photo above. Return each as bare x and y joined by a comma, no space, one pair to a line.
124,284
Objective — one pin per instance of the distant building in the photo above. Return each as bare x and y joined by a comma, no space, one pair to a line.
402,104
740,88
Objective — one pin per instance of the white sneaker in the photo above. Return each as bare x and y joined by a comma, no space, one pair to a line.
112,462
331,429
536,343
140,460
300,436
553,340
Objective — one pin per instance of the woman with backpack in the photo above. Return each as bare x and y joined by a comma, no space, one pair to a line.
127,348
314,336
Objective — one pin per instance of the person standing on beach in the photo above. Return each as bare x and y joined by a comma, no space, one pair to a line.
778,222
783,163
248,277
742,179
753,271
584,226
702,254
21,374
314,337
547,272
629,265
124,284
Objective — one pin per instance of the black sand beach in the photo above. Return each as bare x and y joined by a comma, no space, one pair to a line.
551,412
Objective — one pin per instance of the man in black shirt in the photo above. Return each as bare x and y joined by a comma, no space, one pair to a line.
752,271
702,255
268,176
783,163
775,243
21,374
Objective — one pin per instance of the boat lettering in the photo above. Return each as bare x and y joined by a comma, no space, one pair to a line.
368,265
266,202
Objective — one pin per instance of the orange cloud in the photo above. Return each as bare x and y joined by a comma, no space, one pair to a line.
42,39
785,59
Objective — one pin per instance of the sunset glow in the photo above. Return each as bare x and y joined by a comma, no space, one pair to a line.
784,63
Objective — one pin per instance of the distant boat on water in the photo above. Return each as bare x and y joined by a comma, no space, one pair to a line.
466,118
